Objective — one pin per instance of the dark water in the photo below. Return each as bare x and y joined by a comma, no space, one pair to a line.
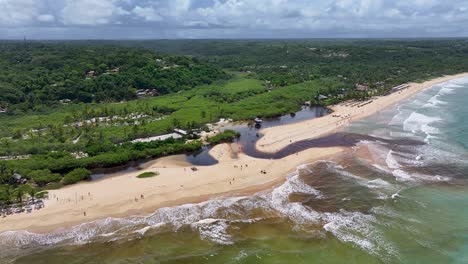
400,196
250,133
202,157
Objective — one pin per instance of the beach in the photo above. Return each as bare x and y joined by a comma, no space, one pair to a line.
180,183
176,184
277,138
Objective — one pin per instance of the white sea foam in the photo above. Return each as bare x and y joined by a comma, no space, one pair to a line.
358,229
402,175
145,229
213,220
416,121
449,89
378,183
392,163
214,230
398,118
435,101
381,168
372,184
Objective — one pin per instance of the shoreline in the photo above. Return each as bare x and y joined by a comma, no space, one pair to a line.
126,195
120,196
276,138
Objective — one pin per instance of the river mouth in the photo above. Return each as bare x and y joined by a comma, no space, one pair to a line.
249,136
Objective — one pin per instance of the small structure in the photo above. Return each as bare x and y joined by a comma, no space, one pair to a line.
17,179
181,132
3,110
146,92
65,101
117,69
322,97
362,87
258,120
91,73
400,87
155,138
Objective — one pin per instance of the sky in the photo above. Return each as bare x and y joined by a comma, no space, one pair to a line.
211,19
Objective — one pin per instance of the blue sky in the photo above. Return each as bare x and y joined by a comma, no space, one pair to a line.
145,19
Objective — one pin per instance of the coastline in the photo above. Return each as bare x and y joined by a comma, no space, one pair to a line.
177,184
120,196
276,138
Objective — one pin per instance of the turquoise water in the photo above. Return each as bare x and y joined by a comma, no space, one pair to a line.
400,203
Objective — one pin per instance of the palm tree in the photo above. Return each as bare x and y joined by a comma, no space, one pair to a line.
32,192
19,195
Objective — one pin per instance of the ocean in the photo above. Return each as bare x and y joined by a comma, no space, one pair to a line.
399,196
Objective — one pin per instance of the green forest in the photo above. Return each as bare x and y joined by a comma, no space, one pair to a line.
34,75
68,107
378,63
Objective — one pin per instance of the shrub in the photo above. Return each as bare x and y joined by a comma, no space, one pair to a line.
76,175
43,177
225,137
148,174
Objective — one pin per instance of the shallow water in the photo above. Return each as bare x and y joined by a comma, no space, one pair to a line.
392,200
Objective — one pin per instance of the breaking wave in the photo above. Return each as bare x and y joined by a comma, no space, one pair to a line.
214,219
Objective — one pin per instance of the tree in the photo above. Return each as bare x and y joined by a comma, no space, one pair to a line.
32,193
17,134
44,176
76,175
19,194
175,122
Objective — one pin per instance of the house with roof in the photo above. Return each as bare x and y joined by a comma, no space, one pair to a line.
362,87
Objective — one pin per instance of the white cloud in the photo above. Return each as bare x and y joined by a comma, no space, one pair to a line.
90,12
18,12
147,13
241,16
46,18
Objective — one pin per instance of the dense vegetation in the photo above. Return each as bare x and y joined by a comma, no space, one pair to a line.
239,98
58,121
225,137
379,63
34,74
76,175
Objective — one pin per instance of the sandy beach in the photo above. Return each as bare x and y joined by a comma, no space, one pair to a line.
177,183
276,138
